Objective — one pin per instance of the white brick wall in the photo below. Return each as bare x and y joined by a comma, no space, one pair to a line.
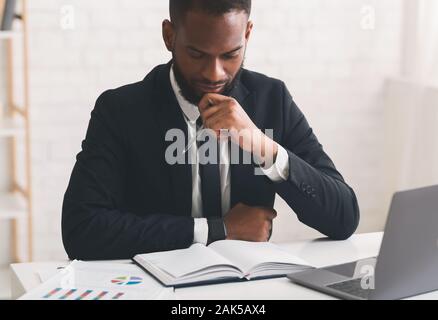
334,69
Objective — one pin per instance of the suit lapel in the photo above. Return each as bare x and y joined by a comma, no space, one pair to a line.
241,174
171,117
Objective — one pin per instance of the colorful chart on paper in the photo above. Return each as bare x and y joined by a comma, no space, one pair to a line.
127,280
75,294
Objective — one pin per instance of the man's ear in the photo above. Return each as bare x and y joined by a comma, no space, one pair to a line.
249,27
168,34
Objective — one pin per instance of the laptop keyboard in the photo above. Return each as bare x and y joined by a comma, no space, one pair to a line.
352,287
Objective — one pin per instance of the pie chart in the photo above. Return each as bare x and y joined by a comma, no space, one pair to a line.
127,281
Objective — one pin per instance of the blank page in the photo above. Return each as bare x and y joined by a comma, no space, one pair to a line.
181,262
247,255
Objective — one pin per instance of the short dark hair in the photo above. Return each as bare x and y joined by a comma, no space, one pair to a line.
178,8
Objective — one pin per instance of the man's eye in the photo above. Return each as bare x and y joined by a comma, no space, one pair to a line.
195,55
230,56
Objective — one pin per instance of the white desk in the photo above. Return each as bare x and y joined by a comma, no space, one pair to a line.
319,253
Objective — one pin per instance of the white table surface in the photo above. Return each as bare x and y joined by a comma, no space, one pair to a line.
319,252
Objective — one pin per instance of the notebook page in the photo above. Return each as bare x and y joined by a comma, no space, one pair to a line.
179,263
248,255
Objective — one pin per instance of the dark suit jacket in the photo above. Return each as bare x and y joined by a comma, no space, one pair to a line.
124,199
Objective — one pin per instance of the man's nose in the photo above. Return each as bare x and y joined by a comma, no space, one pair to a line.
214,71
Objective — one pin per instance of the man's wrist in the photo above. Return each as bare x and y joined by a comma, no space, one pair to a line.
216,230
264,149
279,170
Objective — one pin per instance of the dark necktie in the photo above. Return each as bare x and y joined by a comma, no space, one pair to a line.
210,182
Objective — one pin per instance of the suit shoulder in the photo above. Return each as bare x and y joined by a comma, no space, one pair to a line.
134,91
258,81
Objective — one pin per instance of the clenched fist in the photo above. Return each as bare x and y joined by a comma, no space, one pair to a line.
249,223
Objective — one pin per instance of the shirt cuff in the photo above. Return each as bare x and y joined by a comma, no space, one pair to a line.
279,171
200,233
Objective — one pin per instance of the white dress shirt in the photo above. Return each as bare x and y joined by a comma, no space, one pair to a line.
278,172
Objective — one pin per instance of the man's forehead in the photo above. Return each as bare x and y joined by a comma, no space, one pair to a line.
211,34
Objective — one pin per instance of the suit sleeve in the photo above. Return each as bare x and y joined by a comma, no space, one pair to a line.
94,227
315,190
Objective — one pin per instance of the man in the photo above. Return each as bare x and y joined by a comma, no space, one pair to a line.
127,197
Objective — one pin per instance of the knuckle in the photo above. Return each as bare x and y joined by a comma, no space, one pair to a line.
232,104
272,213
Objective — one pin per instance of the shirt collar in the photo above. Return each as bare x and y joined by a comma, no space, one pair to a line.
190,110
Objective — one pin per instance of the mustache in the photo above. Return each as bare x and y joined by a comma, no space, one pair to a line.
212,84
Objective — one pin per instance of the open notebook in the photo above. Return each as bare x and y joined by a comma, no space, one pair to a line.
221,261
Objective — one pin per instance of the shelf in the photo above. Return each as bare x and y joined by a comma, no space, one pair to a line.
14,123
11,127
12,205
8,34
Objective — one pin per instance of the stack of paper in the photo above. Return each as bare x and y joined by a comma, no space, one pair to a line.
99,281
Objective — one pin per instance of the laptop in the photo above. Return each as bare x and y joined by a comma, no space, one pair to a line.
407,262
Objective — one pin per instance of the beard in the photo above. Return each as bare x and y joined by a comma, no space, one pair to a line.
190,94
